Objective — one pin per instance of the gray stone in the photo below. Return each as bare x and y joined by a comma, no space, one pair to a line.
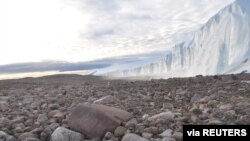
19,119
195,111
4,106
63,134
28,100
44,136
145,117
140,128
168,139
131,123
147,135
166,133
120,131
155,139
215,122
4,98
53,126
42,118
165,116
153,130
195,98
21,125
35,105
59,115
6,137
181,92
32,139
108,135
53,106
53,112
243,105
93,139
178,136
205,99
133,137
4,122
18,130
25,136
226,107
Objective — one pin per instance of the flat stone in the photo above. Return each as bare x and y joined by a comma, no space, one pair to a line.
165,117
95,120
166,133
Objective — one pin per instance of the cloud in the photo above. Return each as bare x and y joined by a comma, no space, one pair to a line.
67,66
84,30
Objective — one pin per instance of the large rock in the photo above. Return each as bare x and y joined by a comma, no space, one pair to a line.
133,137
63,134
95,120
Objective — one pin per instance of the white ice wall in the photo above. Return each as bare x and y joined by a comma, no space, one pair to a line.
219,46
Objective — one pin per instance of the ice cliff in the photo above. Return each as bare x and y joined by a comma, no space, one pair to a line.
221,46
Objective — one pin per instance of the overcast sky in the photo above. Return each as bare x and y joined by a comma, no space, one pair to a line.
84,30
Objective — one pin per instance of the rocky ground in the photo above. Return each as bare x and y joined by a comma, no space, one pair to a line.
31,109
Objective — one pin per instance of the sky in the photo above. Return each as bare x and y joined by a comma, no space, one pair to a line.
87,30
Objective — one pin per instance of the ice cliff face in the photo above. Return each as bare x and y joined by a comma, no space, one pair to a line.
222,45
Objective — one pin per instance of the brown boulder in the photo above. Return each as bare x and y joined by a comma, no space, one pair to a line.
94,120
